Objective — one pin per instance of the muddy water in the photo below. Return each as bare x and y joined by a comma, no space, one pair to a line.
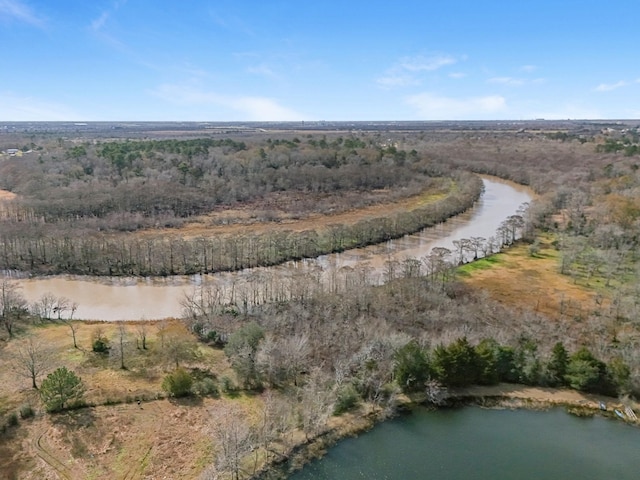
137,299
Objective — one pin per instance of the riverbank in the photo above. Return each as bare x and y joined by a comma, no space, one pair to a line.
136,298
523,396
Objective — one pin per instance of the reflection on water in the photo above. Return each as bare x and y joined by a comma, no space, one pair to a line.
144,298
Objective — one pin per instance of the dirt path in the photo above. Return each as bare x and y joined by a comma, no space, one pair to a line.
42,449
157,439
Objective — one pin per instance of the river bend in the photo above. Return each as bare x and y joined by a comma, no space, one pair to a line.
113,299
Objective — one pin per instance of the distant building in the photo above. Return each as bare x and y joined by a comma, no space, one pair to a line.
12,151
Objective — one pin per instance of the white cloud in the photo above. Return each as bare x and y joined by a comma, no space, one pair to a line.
99,26
397,79
404,72
262,108
607,87
528,68
100,22
421,63
21,109
249,107
513,82
457,75
435,107
231,23
264,71
18,10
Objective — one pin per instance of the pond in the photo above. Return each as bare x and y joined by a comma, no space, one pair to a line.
474,443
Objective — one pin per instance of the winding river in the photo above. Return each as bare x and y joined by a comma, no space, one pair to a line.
113,299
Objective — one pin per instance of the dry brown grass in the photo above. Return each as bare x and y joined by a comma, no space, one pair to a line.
5,195
517,278
244,220
157,439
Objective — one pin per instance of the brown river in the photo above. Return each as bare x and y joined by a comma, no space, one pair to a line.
113,299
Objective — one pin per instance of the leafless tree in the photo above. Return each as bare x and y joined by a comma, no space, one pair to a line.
32,360
13,306
316,403
74,327
120,345
234,438
141,335
44,307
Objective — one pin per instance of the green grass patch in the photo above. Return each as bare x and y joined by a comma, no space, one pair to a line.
481,264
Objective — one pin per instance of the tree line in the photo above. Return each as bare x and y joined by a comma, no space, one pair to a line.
32,247
80,205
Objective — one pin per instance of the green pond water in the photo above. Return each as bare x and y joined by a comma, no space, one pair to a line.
474,443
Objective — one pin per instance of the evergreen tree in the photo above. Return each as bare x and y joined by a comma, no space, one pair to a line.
488,363
60,388
457,365
557,366
586,373
411,368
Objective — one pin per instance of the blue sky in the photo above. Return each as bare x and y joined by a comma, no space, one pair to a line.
219,60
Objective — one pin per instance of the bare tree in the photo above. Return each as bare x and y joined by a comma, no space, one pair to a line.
462,246
162,327
316,403
141,335
32,360
438,263
62,305
43,308
234,438
476,245
74,327
276,420
13,306
120,345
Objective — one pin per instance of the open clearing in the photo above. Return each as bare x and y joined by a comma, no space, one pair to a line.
157,439
533,282
250,218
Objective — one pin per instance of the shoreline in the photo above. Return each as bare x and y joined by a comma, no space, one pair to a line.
501,396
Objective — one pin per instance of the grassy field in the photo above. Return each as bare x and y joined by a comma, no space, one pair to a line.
116,437
519,278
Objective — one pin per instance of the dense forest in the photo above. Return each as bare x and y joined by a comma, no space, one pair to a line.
104,208
124,207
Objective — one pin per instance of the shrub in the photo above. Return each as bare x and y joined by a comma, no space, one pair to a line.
100,345
12,419
228,386
178,383
206,386
26,411
347,399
